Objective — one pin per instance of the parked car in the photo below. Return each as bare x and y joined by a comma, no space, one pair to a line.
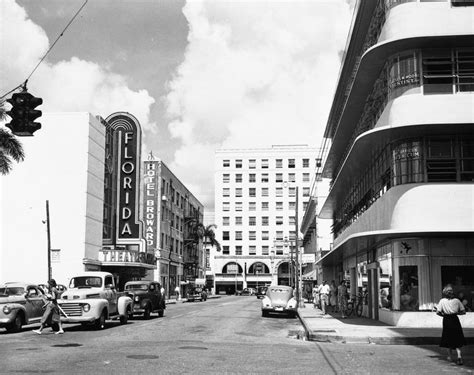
61,289
20,304
279,299
261,291
196,293
248,292
147,298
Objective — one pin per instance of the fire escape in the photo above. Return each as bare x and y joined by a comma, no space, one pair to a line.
192,244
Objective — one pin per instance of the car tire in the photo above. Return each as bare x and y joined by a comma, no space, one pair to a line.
147,312
264,314
100,321
161,313
124,318
16,324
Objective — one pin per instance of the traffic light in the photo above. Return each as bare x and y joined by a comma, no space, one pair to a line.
24,114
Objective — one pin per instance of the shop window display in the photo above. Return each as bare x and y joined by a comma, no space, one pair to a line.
409,288
462,280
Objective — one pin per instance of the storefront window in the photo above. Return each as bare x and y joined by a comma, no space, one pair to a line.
407,165
384,258
462,280
403,74
409,288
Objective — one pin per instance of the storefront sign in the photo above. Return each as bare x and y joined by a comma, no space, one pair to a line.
125,256
308,258
150,202
127,138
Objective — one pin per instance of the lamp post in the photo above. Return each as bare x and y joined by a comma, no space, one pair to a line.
297,251
50,276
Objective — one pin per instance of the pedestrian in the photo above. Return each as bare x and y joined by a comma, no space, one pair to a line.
315,294
51,315
162,290
333,296
452,337
324,296
342,298
177,291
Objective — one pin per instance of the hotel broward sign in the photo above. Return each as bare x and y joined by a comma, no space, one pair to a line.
126,144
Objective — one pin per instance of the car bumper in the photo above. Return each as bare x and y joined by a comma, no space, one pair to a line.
278,309
5,321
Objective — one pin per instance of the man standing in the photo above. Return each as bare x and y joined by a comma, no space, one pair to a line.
324,295
177,291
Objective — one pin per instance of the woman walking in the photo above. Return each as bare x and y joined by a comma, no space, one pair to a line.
342,298
452,337
51,315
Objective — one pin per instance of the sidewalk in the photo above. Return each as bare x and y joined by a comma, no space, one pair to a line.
331,328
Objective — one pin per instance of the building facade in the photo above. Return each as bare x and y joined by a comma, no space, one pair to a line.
260,196
401,160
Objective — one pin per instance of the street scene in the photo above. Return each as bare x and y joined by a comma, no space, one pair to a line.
236,186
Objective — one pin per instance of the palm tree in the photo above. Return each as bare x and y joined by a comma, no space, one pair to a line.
10,147
210,236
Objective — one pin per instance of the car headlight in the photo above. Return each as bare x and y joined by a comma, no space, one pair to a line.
86,307
137,299
7,309
266,302
291,304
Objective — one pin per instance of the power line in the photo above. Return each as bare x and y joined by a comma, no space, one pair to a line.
47,52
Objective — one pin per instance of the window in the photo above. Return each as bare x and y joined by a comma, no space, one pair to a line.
441,161
461,277
226,192
265,221
252,177
403,74
292,236
292,220
238,250
279,220
238,206
226,178
407,162
305,205
226,220
252,235
238,235
252,206
279,235
225,206
437,72
305,163
264,206
238,220
467,159
226,163
264,192
291,163
305,177
279,206
225,250
265,250
252,220
265,235
264,177
252,192
292,192
279,192
252,163
409,288
252,250
265,163
279,163
279,250
292,206
279,177
306,192
238,177
225,235
291,177
238,192
238,163
465,70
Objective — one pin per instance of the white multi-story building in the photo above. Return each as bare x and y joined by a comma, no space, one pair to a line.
256,209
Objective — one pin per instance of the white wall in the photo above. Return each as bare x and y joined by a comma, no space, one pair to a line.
63,164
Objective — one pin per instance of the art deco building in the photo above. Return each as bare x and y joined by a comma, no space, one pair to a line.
401,160
257,210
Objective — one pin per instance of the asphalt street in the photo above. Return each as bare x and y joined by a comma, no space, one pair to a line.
219,336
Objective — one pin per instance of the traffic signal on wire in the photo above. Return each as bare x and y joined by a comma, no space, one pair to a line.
24,114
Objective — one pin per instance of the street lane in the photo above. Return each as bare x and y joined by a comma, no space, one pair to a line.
225,335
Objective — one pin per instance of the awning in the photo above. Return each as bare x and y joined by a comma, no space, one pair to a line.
311,275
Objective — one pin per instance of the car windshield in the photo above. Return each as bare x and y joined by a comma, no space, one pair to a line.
136,287
86,282
280,290
12,291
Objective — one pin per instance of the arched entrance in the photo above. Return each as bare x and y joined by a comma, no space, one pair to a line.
232,279
258,274
283,274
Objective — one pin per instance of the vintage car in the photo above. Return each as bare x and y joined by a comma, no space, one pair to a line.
279,299
261,291
147,298
92,298
20,304
196,294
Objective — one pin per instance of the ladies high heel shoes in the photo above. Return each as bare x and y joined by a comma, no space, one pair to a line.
459,361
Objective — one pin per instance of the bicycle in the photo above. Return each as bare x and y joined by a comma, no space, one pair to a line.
355,304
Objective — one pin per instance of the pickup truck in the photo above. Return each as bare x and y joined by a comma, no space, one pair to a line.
147,298
92,298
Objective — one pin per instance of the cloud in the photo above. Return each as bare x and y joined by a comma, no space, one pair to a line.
255,74
73,85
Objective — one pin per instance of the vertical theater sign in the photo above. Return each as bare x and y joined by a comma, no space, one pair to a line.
124,251
150,199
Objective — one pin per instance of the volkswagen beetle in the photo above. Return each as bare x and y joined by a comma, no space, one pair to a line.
279,299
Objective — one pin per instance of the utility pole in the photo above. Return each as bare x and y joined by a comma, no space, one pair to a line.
297,252
49,241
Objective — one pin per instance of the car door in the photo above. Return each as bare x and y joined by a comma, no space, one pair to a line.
35,300
153,291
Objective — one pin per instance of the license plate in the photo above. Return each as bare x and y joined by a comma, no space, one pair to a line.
279,309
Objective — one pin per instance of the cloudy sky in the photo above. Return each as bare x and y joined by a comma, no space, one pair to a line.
198,75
